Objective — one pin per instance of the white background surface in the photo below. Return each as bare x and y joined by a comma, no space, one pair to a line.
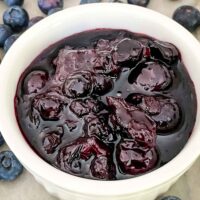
26,188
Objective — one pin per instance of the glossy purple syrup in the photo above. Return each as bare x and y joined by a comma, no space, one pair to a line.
106,104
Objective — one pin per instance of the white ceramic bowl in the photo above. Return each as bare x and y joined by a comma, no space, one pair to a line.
68,22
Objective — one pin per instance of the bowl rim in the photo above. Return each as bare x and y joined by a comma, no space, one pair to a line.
94,187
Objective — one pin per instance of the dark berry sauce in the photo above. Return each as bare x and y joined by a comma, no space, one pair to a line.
107,104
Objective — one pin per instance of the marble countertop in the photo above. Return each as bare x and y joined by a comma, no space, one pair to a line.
26,188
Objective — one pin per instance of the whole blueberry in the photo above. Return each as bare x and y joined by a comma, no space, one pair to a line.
187,16
9,42
5,32
16,17
10,167
170,198
89,1
46,5
54,10
14,2
143,3
1,140
34,20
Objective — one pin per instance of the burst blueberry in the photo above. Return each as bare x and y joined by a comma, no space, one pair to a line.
1,140
143,3
187,16
9,42
16,17
46,5
5,32
10,167
14,2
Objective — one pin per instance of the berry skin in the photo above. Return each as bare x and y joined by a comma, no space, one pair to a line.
143,3
187,16
14,2
164,111
73,157
135,122
1,140
9,42
46,5
164,51
134,159
35,81
152,76
10,167
5,33
34,20
49,107
170,198
78,85
89,1
16,17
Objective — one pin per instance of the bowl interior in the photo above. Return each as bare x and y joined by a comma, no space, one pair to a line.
78,19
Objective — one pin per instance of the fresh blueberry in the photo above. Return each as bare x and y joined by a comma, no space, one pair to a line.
187,16
54,10
34,20
143,3
170,198
10,167
16,17
9,42
14,2
89,1
1,140
5,32
46,5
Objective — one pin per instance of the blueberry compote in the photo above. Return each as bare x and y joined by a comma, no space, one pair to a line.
107,104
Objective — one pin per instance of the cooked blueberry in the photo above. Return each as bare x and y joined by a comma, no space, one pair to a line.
134,159
78,85
9,42
143,3
35,81
83,107
16,17
170,198
164,51
187,16
51,140
127,50
14,2
138,125
5,33
72,157
34,20
102,84
10,167
89,1
97,126
1,140
164,111
102,168
151,77
169,116
46,5
48,106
